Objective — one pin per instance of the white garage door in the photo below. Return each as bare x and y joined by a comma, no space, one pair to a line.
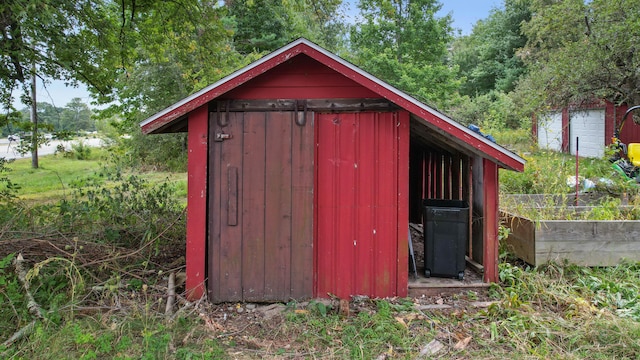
550,131
588,126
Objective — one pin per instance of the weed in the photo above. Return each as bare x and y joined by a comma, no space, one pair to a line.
80,150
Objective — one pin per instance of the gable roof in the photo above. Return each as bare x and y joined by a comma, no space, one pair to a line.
423,114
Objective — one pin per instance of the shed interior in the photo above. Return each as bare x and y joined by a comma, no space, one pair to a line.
441,169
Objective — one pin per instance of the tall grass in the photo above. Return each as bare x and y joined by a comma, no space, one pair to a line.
58,175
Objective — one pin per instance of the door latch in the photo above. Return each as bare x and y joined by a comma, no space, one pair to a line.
222,136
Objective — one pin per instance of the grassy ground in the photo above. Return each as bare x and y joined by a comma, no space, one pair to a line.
57,176
100,299
548,313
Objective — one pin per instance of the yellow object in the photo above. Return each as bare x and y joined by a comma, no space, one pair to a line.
633,151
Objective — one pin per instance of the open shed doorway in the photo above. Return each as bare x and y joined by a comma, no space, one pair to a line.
440,171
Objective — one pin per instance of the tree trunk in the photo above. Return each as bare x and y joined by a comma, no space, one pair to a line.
34,120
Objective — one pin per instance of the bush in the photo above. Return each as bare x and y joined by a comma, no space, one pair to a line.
124,210
80,150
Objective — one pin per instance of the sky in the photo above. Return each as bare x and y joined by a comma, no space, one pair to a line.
465,14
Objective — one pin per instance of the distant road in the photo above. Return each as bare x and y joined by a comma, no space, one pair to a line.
8,149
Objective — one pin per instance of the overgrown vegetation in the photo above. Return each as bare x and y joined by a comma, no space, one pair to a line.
100,245
603,194
100,256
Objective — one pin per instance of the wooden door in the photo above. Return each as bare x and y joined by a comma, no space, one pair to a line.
260,207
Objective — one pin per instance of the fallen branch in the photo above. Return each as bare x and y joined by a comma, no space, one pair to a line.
26,330
32,305
171,297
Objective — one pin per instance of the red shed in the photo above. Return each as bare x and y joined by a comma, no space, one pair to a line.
304,172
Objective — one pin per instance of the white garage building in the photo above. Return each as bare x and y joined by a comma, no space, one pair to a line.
590,126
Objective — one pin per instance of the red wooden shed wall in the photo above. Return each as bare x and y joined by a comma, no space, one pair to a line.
300,78
362,204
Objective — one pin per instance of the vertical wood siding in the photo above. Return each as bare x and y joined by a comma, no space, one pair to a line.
444,175
197,202
261,208
362,206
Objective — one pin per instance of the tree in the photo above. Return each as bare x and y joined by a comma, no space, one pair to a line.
579,52
405,44
175,49
76,116
265,25
62,39
488,57
53,39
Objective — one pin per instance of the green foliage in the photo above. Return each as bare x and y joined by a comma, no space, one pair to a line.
364,335
13,303
488,57
67,40
405,44
124,210
173,49
558,311
122,336
163,152
265,25
73,117
494,112
547,172
578,52
80,150
54,177
7,187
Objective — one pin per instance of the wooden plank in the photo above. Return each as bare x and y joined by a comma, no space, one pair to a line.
197,203
214,215
456,184
302,167
467,194
439,163
278,206
625,248
253,206
230,236
477,228
604,257
332,104
232,193
579,230
416,181
588,243
490,219
521,240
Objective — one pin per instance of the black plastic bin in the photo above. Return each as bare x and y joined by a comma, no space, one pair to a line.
446,229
